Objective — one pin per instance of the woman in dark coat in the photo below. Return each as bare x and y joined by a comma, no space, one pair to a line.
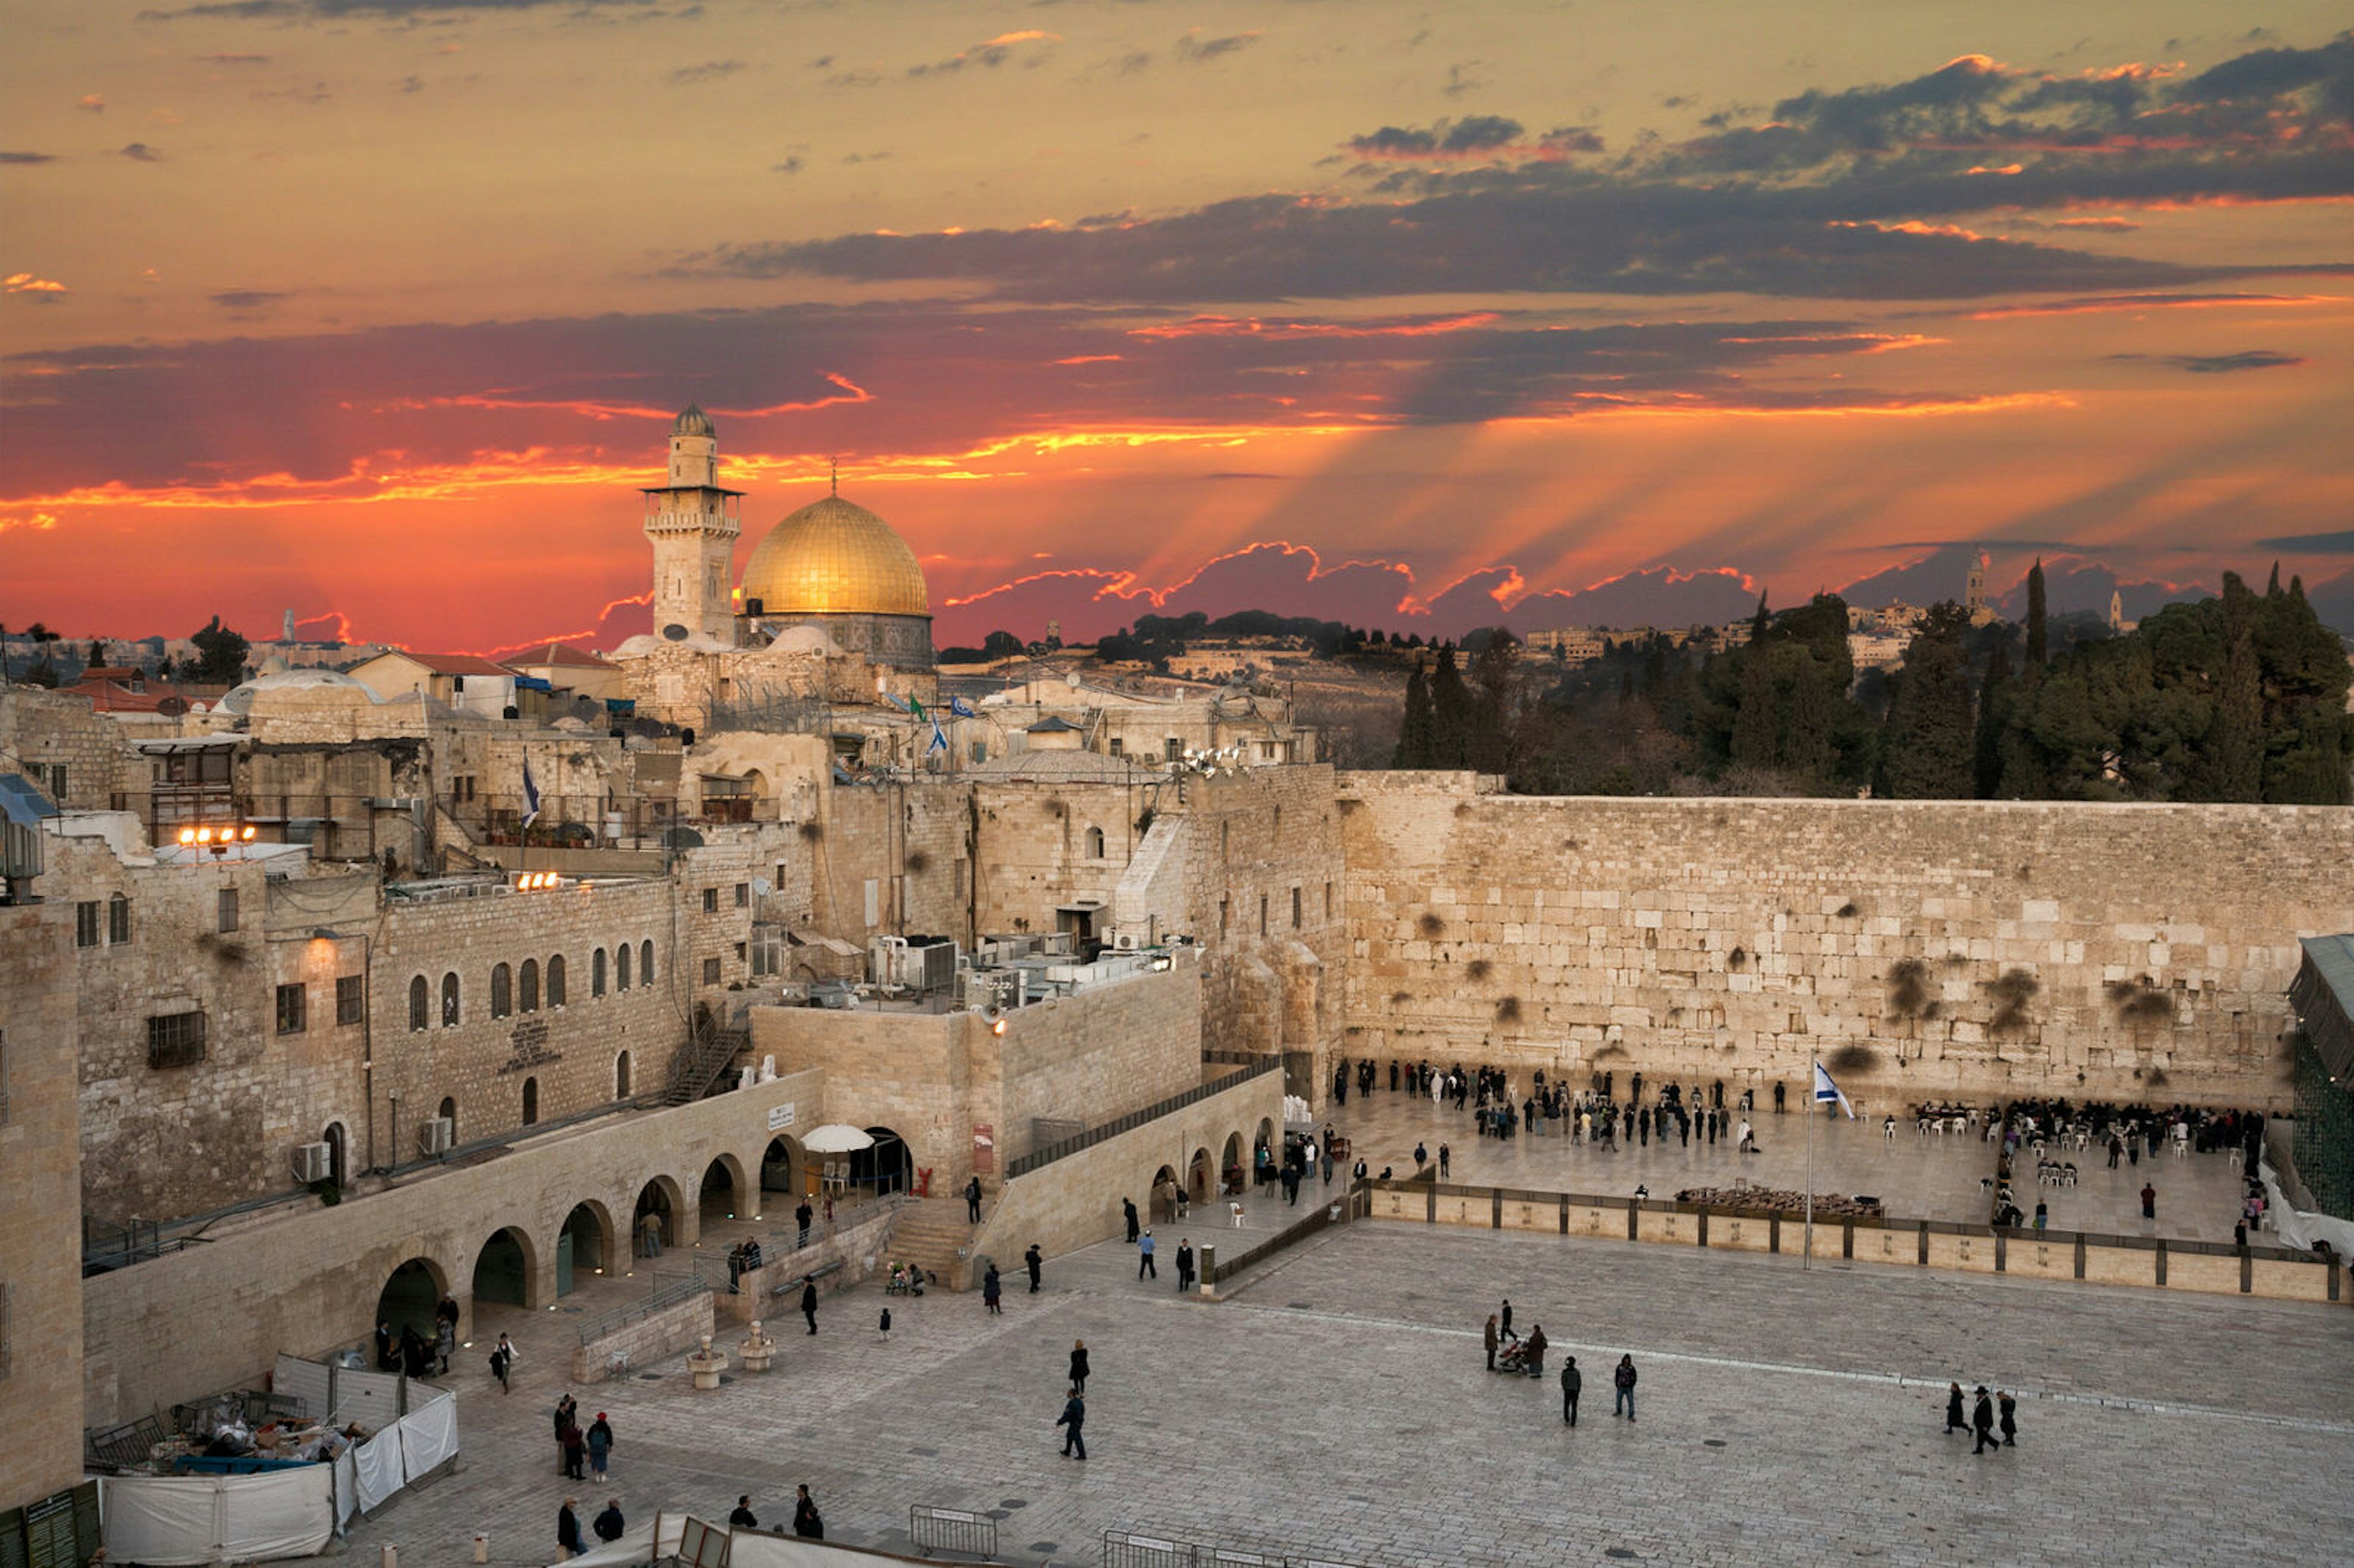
1079,1365
1955,1420
567,1528
805,1519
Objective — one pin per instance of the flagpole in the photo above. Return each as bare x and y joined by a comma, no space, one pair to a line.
1807,1255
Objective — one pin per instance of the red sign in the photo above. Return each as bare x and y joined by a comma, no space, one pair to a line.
985,1148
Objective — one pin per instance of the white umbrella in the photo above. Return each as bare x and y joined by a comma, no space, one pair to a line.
836,1137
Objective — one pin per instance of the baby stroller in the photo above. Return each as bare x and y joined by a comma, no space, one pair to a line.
1511,1354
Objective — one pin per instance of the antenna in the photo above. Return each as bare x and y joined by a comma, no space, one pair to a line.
833,480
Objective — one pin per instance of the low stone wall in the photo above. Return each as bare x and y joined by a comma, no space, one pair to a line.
665,1331
2216,1267
1075,1202
860,1250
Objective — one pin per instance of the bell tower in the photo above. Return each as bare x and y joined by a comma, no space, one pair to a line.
693,524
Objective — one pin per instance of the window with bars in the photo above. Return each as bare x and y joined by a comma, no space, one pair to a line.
556,981
175,1039
227,921
351,998
711,971
118,920
86,923
293,1008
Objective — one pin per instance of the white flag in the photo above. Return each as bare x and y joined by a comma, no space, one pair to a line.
1826,1092
530,795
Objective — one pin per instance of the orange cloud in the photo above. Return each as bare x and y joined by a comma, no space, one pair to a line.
2111,303
1251,326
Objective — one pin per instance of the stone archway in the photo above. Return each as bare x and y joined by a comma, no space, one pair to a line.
585,1245
887,1166
725,1192
410,1294
676,1223
783,1168
1161,1201
1233,1167
1200,1179
506,1269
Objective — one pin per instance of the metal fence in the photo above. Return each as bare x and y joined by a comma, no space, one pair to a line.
1124,1549
951,1530
2324,1140
1136,1118
668,1291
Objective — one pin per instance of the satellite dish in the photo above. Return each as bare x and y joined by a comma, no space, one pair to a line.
674,632
760,887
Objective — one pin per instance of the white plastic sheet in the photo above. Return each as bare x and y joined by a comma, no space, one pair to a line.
428,1434
380,1473
758,1549
168,1520
641,1542
348,1488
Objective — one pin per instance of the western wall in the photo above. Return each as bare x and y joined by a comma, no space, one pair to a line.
1978,949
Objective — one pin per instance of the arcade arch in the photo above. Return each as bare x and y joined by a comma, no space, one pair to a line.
409,1295
781,1165
585,1245
725,1194
887,1166
661,1198
506,1269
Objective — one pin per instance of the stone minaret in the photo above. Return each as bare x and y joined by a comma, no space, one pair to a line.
693,523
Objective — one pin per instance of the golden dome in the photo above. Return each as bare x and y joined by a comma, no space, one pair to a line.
835,558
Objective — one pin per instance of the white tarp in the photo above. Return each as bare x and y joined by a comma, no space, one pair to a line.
758,1549
380,1468
347,1488
174,1519
428,1434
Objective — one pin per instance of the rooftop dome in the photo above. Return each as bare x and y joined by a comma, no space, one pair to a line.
693,421
832,557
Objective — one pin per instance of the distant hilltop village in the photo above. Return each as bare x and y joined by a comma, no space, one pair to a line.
329,996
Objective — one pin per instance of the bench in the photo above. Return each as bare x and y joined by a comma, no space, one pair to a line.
789,1286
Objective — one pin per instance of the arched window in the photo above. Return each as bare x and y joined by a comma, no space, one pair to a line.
531,985
502,991
624,952
420,1003
1095,843
449,1001
597,973
556,981
622,1077
530,1101
450,1114
646,963
118,919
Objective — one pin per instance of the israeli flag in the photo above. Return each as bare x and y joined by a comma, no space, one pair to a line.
530,794
962,708
1826,1092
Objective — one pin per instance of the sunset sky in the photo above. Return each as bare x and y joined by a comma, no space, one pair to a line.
1415,316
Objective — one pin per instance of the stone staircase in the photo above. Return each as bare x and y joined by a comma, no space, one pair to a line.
928,1231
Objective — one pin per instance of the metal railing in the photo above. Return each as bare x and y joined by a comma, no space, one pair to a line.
1354,1204
669,1290
1125,1548
951,1530
1041,1156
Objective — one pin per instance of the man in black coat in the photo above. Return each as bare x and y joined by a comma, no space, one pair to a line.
809,1303
610,1524
1982,1420
1031,1260
567,1529
802,1215
1074,1417
805,1519
1571,1382
972,1200
742,1518
1184,1264
1128,1213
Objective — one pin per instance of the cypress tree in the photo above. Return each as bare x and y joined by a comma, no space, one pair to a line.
1806,743
1450,714
2038,631
1413,733
1927,751
1994,712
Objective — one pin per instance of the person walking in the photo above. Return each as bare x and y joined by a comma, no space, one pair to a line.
1184,1264
610,1524
567,1528
1625,1380
802,1215
1078,1366
1491,1337
1534,1349
2149,1201
1144,1264
2008,1422
502,1360
1982,1421
1074,1417
1128,1213
1506,1315
601,1446
1445,1156
972,1200
567,1415
991,1293
1955,1420
649,1233
571,1447
742,1517
1421,1155
809,1303
445,1339
1572,1382
1032,1260
805,1519
883,1325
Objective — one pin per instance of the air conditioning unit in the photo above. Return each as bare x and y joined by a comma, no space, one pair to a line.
436,1135
313,1162
1126,942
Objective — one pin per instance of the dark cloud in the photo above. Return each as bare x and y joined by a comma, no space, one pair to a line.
1198,49
1472,133
1460,80
2338,544
709,71
2247,359
248,299
791,165
141,153
992,54
1660,596
27,158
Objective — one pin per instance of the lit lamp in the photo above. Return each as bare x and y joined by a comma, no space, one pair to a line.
220,841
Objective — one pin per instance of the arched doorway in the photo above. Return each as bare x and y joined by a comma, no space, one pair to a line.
725,1194
886,1167
1232,1173
585,1245
503,1268
781,1167
661,1199
530,1101
1199,1176
1162,1205
409,1295
449,1113
337,1171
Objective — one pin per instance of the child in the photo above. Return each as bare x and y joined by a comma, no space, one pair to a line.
886,1325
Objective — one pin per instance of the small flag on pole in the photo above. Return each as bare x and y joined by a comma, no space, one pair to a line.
938,742
962,708
530,794
1826,1092
915,706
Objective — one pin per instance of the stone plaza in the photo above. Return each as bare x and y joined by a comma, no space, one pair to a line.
1333,1402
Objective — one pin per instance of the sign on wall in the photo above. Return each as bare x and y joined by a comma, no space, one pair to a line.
985,1148
780,1117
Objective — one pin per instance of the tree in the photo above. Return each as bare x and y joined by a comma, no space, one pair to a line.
1754,721
2039,631
1450,714
1488,745
1926,750
1994,718
220,655
1413,733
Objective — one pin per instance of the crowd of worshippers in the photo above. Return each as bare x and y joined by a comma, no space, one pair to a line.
2053,1129
1592,1115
